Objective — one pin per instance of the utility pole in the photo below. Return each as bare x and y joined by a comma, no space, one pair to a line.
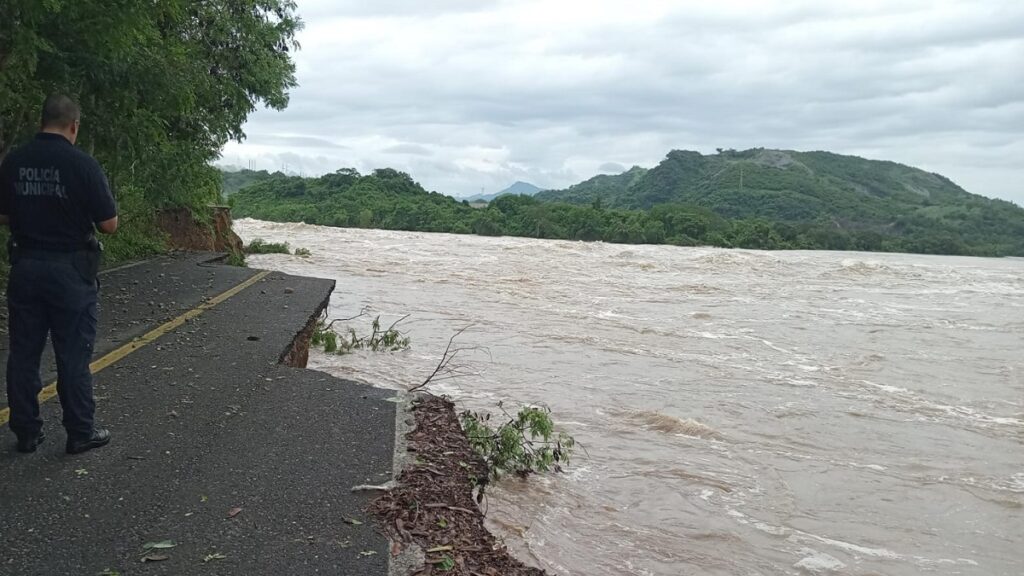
741,178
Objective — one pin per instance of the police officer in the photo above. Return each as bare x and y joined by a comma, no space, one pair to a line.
54,197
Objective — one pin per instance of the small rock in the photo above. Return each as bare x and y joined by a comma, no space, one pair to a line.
289,290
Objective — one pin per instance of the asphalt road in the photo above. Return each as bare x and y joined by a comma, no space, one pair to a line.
205,422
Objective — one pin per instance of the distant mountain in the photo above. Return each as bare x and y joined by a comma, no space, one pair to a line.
846,193
517,189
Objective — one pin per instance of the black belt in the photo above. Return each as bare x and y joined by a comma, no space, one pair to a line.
50,255
25,245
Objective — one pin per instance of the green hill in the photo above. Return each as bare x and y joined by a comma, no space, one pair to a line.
876,200
603,187
825,202
386,199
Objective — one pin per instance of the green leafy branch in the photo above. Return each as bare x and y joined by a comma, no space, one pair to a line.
522,445
389,339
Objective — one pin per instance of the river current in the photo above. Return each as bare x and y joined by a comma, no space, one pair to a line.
742,412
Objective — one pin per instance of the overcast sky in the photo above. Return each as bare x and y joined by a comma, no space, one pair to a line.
470,94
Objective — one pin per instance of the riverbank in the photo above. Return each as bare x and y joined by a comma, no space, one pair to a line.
434,506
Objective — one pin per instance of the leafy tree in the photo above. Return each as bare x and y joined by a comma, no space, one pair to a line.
163,85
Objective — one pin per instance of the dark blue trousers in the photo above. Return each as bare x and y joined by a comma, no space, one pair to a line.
48,293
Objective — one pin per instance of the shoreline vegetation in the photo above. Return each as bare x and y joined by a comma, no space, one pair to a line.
754,199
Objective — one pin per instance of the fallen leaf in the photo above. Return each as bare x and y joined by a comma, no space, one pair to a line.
353,522
234,512
367,553
396,548
214,556
162,545
109,572
81,472
203,498
155,558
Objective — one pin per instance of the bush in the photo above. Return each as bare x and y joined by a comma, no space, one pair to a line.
260,246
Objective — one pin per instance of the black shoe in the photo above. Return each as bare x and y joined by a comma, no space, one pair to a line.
100,437
29,445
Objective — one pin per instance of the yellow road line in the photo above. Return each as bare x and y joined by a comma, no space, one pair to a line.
97,365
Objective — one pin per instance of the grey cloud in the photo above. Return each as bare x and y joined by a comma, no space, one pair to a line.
292,141
386,8
500,96
413,149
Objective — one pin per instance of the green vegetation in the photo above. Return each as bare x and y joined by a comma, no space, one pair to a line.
163,86
236,258
828,202
523,444
385,199
386,340
261,246
819,200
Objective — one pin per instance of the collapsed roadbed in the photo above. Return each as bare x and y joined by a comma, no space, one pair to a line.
433,508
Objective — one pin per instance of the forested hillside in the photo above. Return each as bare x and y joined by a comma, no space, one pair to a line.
879,203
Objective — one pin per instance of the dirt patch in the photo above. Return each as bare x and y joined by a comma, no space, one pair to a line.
297,354
186,233
433,506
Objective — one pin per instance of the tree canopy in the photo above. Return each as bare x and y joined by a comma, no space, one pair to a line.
163,84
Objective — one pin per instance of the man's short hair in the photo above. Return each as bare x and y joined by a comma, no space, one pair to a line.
59,111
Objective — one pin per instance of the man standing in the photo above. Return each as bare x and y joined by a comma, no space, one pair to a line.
54,197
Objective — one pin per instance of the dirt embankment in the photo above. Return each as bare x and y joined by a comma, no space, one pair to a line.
433,507
184,232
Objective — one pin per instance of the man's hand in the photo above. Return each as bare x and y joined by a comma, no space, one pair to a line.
108,226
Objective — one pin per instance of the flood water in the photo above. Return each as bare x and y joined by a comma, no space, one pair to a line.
742,412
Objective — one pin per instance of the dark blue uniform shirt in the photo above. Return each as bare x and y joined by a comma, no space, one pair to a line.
54,194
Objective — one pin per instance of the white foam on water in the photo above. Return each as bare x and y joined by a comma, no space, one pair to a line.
818,562
875,467
887,388
799,536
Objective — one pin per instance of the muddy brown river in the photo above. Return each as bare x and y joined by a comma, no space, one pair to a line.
742,412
